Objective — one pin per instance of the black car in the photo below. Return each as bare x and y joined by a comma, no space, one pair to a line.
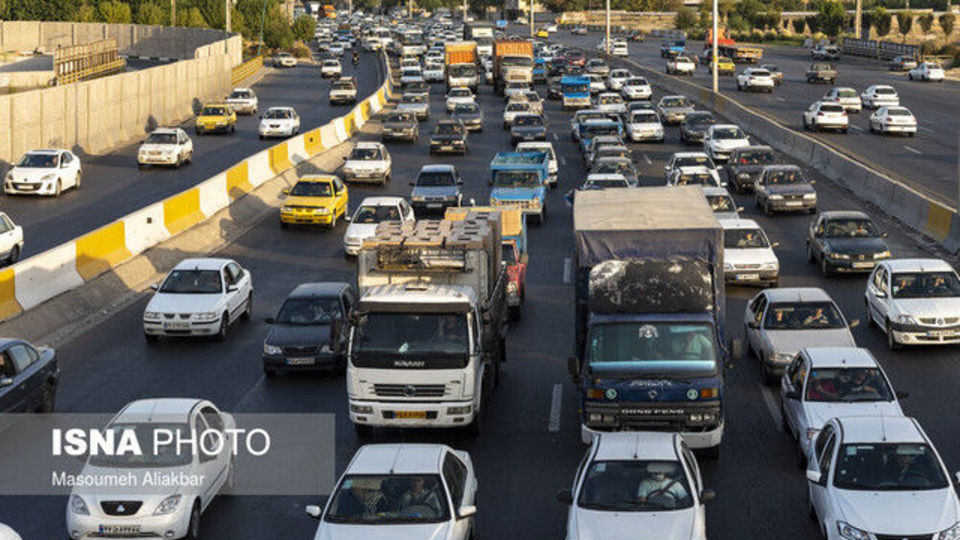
449,136
470,114
528,127
745,164
822,72
695,125
28,377
309,332
554,88
845,241
556,66
401,125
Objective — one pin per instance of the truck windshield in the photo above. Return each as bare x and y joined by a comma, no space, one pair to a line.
575,88
650,342
412,334
516,179
463,70
516,61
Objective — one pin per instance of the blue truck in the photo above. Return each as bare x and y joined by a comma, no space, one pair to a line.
576,92
649,314
672,48
520,179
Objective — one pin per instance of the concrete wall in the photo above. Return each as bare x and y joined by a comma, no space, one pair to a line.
645,21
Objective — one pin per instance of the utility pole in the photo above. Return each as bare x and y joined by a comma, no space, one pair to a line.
607,42
173,12
410,8
713,49
263,17
533,32
464,11
226,11
858,20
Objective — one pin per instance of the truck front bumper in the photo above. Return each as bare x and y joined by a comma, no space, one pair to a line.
446,414
695,440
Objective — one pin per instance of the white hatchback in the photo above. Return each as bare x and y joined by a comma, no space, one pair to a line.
755,78
721,140
635,89
371,212
893,119
459,96
927,71
331,68
199,297
880,95
43,172
644,125
279,122
748,256
11,240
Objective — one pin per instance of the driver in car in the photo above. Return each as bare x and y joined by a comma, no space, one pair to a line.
861,382
418,495
817,318
658,485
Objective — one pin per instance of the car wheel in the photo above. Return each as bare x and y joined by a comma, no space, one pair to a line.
767,209
48,399
270,373
811,256
870,321
248,309
193,529
151,338
14,255
284,225
221,334
892,342
59,189
801,459
910,76
79,180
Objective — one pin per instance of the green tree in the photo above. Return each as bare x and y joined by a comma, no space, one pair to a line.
303,28
114,12
926,23
881,21
191,17
830,15
947,22
799,25
87,13
151,13
277,32
686,19
904,23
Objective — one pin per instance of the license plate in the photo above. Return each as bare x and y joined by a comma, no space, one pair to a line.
300,361
863,265
748,277
411,414
176,325
941,333
434,205
119,529
794,203
446,147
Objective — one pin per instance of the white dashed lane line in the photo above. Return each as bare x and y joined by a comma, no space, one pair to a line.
914,150
553,424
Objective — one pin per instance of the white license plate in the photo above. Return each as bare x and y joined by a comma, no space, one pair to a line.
300,361
119,529
176,325
434,205
863,265
794,203
941,333
447,147
748,277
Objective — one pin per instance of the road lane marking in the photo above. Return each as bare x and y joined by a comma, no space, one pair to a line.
857,128
781,98
553,424
555,137
914,150
563,161
772,406
647,159
928,130
567,269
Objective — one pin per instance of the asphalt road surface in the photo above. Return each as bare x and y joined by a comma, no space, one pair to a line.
520,461
113,186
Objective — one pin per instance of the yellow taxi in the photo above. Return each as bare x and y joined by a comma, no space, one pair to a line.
542,33
725,66
315,200
216,117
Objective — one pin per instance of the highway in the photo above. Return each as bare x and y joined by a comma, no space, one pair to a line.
521,463
113,186
928,162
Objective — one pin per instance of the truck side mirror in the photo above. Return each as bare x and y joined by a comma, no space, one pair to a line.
566,496
792,394
707,495
573,368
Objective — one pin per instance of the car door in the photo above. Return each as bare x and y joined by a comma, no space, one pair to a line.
231,292
240,279
29,374
753,322
386,158
877,294
203,463
7,237
13,389
696,485
822,461
455,477
815,237
218,464
809,114
340,200
796,381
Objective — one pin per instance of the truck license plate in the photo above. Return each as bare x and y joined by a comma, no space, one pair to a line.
300,361
420,415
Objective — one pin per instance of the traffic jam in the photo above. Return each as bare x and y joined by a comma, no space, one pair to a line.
445,273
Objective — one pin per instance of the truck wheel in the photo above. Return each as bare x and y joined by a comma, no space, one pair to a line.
473,429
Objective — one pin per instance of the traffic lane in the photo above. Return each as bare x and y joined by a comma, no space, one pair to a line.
113,186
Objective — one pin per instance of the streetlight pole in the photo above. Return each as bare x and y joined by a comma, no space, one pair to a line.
173,12
607,42
858,20
533,32
263,17
713,50
226,12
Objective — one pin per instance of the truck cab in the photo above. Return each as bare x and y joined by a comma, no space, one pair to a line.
649,314
520,178
575,91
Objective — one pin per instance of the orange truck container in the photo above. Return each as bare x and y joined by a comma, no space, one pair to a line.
518,66
461,52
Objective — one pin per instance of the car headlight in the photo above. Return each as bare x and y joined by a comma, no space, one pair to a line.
773,265
850,532
207,316
783,357
727,267
270,349
882,255
168,505
9,176
906,319
151,315
743,176
841,256
78,506
417,198
953,533
322,211
776,197
48,177
512,287
809,196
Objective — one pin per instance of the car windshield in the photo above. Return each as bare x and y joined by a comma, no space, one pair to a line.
635,486
309,311
674,102
722,203
849,228
884,90
518,107
161,138
831,108
605,183
614,166
643,342
595,130
583,117
365,154
898,112
925,285
412,333
644,117
376,214
759,73
213,111
192,282
446,128
530,120
311,189
847,385
635,81
462,70
460,92
847,93
700,119
822,67
695,179
508,254
888,467
278,114
415,98
331,63
240,94
516,61
342,86
516,179
693,161
608,100
151,456
803,316
436,179
466,108
744,239
755,157
387,499
728,133
783,177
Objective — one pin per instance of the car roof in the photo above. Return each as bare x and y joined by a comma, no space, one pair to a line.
844,214
204,263
873,429
714,190
280,108
636,445
381,201
317,178
851,357
318,289
369,145
51,151
797,294
755,148
918,265
438,167
164,131
738,223
157,410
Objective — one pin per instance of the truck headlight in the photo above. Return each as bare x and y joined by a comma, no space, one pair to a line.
850,532
361,409
169,505
270,349
78,506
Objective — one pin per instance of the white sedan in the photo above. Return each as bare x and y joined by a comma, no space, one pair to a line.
845,96
165,146
721,140
635,89
199,297
459,96
279,122
880,95
893,119
755,78
748,256
610,103
44,172
927,71
681,65
513,110
637,484
826,115
644,125
368,162
11,240
243,101
152,510
402,492
824,382
616,79
368,216
331,68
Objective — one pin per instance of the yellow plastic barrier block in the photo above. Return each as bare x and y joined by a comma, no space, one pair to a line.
365,110
238,181
8,298
312,142
938,221
280,158
101,250
182,211
350,124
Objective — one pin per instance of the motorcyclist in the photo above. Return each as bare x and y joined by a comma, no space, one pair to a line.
356,58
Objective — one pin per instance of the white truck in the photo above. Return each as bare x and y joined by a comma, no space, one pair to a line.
428,334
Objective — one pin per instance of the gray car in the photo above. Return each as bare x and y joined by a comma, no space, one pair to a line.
845,241
402,126
470,114
449,136
673,109
437,188
528,127
779,322
616,165
418,104
695,125
784,188
597,66
746,164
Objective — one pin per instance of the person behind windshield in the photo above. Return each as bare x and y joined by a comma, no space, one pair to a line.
861,382
449,329
657,485
908,466
746,240
822,389
363,499
817,318
418,495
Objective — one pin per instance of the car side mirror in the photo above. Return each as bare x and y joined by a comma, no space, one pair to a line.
854,323
816,477
285,192
348,219
753,324
155,287
6,381
739,209
775,244
880,294
792,394
270,320
566,496
957,478
707,495
467,510
573,368
232,288
413,183
313,511
884,235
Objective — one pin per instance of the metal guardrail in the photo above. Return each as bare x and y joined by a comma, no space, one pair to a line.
884,50
246,69
110,68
